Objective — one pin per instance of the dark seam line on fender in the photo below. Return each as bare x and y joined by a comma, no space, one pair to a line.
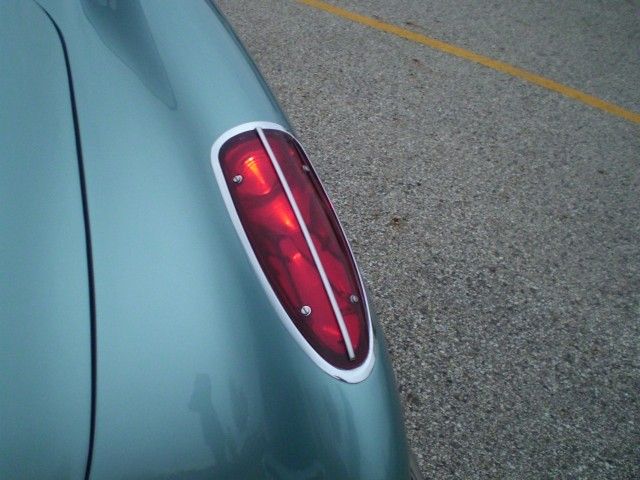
87,231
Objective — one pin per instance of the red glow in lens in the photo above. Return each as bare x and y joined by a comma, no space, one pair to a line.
279,243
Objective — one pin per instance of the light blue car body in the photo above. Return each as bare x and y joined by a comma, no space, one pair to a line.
135,340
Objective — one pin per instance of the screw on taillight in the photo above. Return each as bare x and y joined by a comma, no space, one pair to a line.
285,217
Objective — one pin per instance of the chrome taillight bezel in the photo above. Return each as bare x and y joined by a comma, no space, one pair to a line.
353,375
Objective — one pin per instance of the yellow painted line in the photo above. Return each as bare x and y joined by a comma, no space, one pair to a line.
477,58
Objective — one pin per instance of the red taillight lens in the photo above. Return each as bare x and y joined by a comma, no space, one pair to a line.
298,242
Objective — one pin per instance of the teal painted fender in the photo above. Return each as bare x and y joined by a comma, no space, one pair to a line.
196,376
45,337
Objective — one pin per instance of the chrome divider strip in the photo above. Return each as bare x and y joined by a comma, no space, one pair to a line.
312,248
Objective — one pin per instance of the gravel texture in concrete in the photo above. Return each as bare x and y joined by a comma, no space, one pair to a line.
497,223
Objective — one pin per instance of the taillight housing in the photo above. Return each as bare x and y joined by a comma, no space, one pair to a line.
293,238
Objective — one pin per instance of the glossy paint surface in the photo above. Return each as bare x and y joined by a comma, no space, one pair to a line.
196,375
45,340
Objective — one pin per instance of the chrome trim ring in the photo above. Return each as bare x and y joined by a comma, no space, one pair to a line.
354,375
